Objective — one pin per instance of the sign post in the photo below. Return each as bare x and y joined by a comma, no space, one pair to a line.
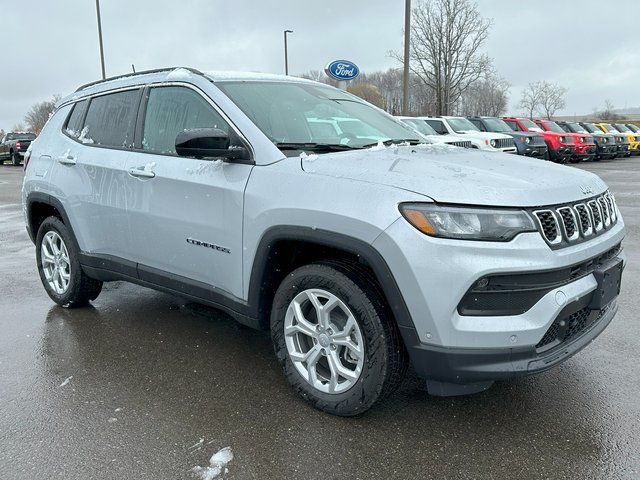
343,71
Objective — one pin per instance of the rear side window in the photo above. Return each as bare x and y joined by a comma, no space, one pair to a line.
438,126
110,119
170,111
74,123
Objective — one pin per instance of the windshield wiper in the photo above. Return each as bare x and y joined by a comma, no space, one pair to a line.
394,141
314,147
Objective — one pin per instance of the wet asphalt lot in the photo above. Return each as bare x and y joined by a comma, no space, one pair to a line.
152,375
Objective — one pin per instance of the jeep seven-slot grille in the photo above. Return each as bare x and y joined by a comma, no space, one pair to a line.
461,143
505,143
565,224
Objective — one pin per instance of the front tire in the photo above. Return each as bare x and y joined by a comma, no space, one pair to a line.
59,266
335,340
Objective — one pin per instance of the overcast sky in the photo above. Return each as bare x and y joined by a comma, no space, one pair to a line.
589,46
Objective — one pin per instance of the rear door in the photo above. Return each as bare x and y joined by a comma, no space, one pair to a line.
185,213
91,175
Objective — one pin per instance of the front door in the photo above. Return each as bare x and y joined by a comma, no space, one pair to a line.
185,213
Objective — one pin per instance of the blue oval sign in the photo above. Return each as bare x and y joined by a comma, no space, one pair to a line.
342,70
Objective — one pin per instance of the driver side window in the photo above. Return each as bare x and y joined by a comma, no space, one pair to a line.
170,111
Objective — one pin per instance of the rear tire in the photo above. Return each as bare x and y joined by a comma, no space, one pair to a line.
349,294
59,266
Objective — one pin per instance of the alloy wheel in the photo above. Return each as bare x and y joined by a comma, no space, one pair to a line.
55,262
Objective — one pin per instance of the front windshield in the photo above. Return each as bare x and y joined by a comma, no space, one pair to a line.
634,128
497,125
621,128
591,128
420,126
529,125
575,127
302,113
462,125
554,127
610,128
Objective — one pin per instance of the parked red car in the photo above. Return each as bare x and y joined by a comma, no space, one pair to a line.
561,145
585,145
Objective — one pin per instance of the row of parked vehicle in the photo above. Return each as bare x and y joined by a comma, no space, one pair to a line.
559,141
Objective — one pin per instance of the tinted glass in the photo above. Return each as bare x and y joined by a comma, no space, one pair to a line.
20,136
591,128
530,125
172,110
110,119
553,126
513,125
74,123
285,110
497,125
621,128
575,127
438,126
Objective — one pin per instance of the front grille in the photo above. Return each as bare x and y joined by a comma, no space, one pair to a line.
537,141
549,225
565,329
505,143
568,140
572,223
461,143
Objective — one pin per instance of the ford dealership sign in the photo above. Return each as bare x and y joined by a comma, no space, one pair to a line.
342,70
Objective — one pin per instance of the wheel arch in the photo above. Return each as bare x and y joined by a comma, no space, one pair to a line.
270,267
40,206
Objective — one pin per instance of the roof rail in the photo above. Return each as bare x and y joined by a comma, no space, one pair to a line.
133,74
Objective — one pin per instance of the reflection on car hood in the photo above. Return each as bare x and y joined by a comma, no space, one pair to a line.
453,175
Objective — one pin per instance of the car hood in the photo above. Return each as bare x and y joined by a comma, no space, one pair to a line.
447,138
449,174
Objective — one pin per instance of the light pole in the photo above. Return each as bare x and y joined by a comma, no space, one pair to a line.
286,59
100,38
407,39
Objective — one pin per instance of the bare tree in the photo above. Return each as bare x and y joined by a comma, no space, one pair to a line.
551,98
39,113
2,134
544,98
18,127
608,112
445,54
530,101
488,95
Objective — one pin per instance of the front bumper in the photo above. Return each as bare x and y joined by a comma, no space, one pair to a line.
434,275
532,150
478,366
606,150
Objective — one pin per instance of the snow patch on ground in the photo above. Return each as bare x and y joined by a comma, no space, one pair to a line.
217,465
66,381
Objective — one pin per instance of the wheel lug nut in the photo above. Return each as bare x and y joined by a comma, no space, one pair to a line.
318,328
329,331
324,352
333,347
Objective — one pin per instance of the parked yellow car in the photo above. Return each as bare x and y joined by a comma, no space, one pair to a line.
634,139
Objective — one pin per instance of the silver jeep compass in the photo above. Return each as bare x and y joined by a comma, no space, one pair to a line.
301,209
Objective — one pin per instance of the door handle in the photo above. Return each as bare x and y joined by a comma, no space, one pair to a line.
67,160
141,173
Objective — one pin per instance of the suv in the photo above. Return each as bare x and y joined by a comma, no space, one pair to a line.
491,142
632,136
561,146
605,143
14,145
625,148
527,143
585,147
424,129
358,253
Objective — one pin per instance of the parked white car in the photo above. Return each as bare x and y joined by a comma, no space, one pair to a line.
490,141
431,136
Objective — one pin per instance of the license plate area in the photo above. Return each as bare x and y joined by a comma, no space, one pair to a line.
609,277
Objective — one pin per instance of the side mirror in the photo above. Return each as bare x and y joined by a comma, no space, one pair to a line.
209,143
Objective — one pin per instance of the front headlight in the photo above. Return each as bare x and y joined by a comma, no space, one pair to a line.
493,143
467,223
526,139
